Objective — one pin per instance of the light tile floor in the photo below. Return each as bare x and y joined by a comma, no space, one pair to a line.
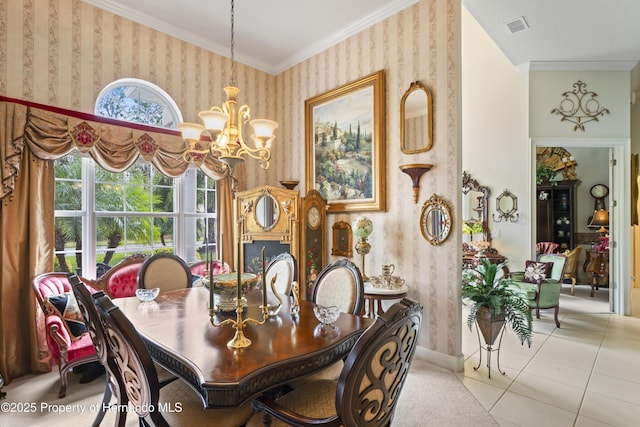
586,373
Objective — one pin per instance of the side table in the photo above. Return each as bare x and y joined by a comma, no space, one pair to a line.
373,297
598,269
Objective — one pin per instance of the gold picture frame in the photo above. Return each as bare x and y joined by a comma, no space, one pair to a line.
345,145
341,239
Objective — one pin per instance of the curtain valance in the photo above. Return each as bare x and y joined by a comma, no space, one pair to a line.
51,133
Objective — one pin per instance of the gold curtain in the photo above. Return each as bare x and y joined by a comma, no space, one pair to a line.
27,208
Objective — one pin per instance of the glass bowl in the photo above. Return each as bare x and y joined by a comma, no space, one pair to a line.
326,315
147,295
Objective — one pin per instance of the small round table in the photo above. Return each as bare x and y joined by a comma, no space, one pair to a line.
373,297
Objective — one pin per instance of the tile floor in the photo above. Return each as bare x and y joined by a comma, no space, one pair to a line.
586,374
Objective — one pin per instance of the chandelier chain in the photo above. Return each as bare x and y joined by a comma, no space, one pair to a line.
233,62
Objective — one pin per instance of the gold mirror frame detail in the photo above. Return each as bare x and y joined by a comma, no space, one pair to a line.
341,239
410,111
506,212
470,184
435,229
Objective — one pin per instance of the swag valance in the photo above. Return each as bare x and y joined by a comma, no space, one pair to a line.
51,133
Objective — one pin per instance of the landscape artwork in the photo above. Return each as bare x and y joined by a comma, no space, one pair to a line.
345,146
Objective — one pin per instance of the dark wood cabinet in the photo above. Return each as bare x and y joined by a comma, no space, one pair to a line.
556,213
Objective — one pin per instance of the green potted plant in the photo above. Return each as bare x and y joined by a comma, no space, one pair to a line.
545,174
495,303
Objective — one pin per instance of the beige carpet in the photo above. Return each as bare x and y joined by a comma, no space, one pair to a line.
432,396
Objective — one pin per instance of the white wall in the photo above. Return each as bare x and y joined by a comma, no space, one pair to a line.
495,145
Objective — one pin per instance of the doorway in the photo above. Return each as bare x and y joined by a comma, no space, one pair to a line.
619,214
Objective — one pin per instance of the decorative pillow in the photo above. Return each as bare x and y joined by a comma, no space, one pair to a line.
66,306
536,272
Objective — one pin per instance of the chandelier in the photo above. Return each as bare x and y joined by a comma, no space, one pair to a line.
224,126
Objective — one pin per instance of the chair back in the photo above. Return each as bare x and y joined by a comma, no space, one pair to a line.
559,261
135,369
572,261
49,284
340,284
283,267
198,268
165,271
377,366
121,280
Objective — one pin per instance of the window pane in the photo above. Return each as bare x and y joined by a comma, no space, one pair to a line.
68,243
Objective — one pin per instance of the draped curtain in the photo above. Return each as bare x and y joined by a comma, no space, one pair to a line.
31,137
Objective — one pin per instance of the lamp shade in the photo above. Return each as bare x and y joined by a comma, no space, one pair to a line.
601,218
362,227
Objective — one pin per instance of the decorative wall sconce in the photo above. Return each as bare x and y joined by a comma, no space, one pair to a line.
415,171
506,205
579,106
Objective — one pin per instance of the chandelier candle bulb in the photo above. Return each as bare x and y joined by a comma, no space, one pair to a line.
239,278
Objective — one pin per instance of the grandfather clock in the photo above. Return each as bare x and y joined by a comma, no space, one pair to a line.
312,240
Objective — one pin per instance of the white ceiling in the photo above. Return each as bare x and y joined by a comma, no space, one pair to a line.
273,35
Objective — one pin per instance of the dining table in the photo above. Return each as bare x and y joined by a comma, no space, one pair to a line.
177,329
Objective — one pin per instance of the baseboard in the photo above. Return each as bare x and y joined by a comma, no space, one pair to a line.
452,363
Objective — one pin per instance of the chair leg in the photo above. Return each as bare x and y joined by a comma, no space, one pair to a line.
573,284
537,313
555,315
104,405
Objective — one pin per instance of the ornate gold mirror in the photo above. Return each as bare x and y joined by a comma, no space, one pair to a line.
435,220
474,206
416,119
267,211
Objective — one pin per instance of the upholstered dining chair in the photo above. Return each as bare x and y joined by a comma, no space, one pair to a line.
139,380
199,268
165,271
283,268
570,270
67,339
340,284
546,248
367,391
121,280
97,333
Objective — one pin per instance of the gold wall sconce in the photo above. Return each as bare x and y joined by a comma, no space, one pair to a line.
415,171
506,205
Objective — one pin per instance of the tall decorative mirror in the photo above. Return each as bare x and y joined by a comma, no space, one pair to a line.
474,207
416,120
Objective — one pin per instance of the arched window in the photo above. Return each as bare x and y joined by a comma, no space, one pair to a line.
138,101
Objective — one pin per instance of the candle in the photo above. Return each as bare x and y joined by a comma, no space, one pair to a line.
210,267
220,251
239,278
264,282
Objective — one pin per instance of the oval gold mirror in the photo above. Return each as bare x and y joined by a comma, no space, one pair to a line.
416,120
267,212
435,220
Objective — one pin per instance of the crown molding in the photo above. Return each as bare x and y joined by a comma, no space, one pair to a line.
577,66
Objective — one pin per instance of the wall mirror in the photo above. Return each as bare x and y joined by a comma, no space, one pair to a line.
435,220
506,206
267,211
474,204
416,120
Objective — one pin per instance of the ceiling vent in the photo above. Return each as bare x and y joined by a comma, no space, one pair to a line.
516,25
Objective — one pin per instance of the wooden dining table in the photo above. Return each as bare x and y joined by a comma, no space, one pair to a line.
177,330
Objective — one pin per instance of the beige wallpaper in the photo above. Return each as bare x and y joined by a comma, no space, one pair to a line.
63,52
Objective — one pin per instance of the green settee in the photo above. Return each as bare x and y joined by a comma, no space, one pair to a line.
546,292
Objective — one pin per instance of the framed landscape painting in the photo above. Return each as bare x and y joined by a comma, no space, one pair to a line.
344,135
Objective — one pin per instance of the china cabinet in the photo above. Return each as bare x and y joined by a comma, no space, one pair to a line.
556,213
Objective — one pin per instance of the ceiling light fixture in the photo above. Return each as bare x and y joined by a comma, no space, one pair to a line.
224,126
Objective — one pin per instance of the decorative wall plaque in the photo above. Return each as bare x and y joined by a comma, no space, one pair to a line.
580,106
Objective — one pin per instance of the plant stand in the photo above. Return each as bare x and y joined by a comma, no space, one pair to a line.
489,348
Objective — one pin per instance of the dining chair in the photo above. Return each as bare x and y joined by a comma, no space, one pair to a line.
570,270
121,280
67,339
546,248
283,268
165,271
97,333
174,405
340,284
199,268
367,391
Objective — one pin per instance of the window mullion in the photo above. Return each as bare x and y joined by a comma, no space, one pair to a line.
89,218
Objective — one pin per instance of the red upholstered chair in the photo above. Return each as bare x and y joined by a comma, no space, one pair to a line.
547,248
68,350
198,268
122,279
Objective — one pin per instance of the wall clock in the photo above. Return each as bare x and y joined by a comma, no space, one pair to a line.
599,192
312,240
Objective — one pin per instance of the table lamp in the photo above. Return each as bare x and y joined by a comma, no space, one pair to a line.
600,218
362,228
